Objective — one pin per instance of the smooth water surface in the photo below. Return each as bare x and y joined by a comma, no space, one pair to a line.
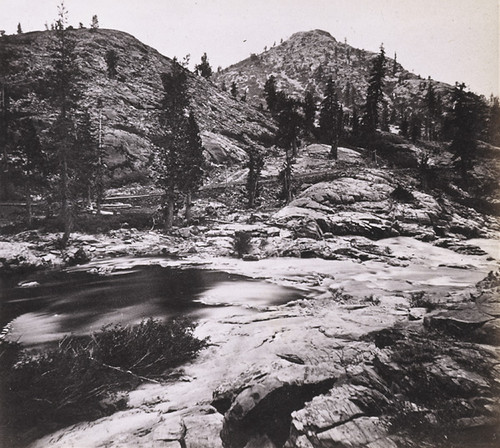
43,307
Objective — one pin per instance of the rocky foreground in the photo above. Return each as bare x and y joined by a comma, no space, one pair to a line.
394,343
414,363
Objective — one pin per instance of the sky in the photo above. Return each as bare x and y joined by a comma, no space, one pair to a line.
449,40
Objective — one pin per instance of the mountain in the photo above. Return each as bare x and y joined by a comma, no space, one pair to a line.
308,59
130,102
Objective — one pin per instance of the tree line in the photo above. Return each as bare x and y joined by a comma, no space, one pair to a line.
329,120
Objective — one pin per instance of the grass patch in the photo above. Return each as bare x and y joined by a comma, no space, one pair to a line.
84,378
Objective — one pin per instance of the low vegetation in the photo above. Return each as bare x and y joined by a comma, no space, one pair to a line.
85,378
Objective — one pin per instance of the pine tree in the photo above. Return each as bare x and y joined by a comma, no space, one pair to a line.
270,93
86,157
415,127
431,112
464,123
289,125
234,90
178,163
166,166
19,29
331,119
112,63
29,162
193,163
94,25
203,68
64,97
374,92
355,123
309,110
494,122
5,120
255,164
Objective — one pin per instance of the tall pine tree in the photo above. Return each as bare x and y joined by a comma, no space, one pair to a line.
178,158
289,126
254,164
464,124
331,121
65,94
374,93
193,164
270,93
309,110
203,68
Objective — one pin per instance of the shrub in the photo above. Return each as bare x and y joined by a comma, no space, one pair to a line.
84,378
242,242
418,300
402,194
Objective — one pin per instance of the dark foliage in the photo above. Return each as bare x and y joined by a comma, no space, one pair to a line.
374,92
270,93
400,193
242,243
331,119
81,379
255,164
112,63
203,68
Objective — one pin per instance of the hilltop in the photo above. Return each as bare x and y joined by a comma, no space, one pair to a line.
131,100
306,60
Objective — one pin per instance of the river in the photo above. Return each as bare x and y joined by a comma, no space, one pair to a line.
44,306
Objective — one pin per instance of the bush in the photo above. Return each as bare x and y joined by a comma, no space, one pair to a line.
242,242
402,194
84,378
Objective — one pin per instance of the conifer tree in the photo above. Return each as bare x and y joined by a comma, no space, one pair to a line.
374,93
331,119
5,119
309,110
431,112
86,157
289,125
178,163
254,164
112,63
193,163
494,121
29,162
270,93
203,68
19,29
234,90
464,123
94,25
64,97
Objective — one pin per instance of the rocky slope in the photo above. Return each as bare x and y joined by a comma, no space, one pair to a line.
307,59
130,101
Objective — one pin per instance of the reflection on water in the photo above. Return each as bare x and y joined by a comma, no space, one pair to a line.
80,302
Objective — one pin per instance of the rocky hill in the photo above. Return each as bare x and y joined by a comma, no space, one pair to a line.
308,59
131,100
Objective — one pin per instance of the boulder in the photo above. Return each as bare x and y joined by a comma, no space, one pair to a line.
458,322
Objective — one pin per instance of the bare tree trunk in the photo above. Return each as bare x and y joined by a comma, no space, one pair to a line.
65,206
29,205
188,214
168,212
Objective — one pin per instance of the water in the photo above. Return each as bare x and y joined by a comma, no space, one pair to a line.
83,301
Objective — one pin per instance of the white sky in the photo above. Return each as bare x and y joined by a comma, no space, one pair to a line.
449,40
